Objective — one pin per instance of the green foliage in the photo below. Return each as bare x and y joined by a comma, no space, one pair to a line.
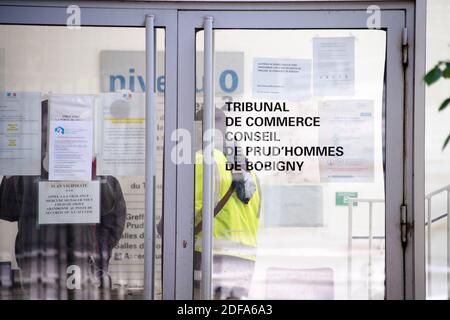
440,70
444,104
433,75
446,142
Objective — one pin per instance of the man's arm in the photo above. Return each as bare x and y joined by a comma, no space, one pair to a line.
199,187
113,214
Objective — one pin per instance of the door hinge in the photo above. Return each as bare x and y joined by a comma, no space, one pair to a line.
404,224
405,46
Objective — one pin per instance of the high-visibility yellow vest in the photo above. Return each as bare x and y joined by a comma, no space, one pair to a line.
236,225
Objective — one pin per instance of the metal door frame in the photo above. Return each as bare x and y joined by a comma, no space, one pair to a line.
126,16
124,13
394,20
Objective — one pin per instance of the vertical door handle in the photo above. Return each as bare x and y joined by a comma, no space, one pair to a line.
208,161
150,158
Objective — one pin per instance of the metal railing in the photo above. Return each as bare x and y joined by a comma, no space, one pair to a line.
351,202
428,199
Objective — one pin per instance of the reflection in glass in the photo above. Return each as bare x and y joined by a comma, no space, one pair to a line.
437,173
310,242
78,260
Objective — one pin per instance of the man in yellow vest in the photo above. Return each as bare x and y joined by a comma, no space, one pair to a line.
235,226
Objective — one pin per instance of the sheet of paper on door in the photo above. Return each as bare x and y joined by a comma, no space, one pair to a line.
282,79
121,131
127,260
292,206
70,137
334,66
69,202
348,124
20,133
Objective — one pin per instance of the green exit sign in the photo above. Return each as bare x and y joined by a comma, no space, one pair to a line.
341,196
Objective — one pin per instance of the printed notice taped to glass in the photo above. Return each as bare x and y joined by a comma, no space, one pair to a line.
350,124
121,129
70,137
282,79
127,259
334,66
20,133
69,202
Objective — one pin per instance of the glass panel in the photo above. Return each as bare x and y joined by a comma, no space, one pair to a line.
302,116
72,227
437,173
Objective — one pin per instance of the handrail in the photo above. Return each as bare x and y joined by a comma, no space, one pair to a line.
351,201
442,216
366,237
435,192
428,198
354,200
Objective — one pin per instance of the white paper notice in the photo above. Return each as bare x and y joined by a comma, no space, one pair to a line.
350,124
121,134
282,79
20,133
69,202
334,66
70,137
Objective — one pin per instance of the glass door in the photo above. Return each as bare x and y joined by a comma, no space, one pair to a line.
87,94
296,163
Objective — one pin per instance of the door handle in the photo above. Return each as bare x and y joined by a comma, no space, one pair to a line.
208,161
150,157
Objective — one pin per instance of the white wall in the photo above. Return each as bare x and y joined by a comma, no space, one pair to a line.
437,161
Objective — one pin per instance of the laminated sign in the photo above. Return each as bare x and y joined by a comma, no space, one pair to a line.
71,137
69,202
121,129
334,66
282,79
350,124
20,133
